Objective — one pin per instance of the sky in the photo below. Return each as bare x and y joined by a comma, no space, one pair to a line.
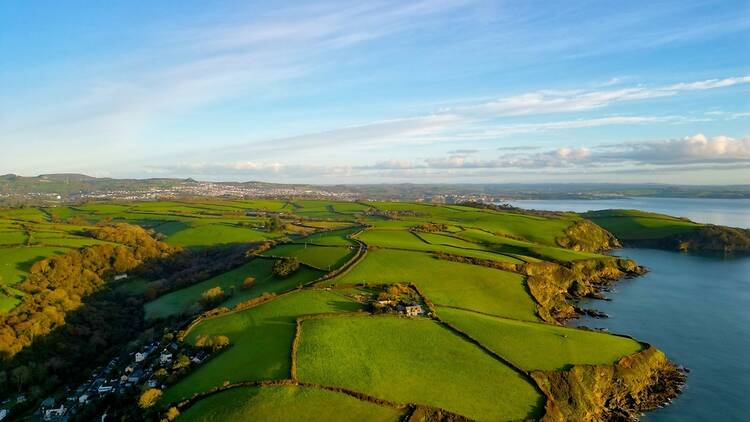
379,91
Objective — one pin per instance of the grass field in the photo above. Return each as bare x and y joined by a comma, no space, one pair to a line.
447,283
265,282
636,225
413,361
331,238
286,403
261,339
323,257
215,234
537,345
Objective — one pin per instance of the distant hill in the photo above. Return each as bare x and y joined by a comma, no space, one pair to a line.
72,187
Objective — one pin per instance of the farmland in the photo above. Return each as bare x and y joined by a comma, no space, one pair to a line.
312,297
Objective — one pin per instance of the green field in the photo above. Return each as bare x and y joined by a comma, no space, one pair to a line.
215,234
323,257
414,361
332,238
286,403
532,345
447,283
637,225
261,339
265,282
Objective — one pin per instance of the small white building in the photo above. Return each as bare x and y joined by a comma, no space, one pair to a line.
139,357
83,399
3,413
105,389
54,413
119,277
165,358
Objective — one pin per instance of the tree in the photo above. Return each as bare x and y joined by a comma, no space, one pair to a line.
275,224
181,362
286,266
247,283
149,398
172,413
212,296
20,375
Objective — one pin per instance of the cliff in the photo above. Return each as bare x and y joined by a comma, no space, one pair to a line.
554,286
619,392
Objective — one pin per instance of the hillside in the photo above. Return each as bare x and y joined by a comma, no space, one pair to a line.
397,311
644,229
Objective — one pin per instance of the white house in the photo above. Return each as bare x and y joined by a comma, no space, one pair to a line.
3,413
83,399
105,389
119,277
139,357
54,413
165,358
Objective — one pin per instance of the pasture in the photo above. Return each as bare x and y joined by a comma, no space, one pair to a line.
531,345
261,341
447,283
414,361
286,403
636,225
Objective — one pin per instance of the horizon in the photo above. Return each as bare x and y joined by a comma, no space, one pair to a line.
429,92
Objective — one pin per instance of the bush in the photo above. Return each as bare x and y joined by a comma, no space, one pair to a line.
247,283
286,266
149,398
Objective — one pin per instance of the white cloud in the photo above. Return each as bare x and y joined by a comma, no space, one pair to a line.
552,101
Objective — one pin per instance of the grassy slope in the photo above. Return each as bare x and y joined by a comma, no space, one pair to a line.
215,234
331,238
413,360
448,283
635,225
323,257
538,345
261,340
287,403
265,282
401,239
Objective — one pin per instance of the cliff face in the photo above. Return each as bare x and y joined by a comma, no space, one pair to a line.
585,236
619,392
553,286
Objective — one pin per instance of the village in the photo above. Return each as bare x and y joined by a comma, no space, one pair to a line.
149,367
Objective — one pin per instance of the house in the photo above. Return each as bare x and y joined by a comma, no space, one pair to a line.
152,383
103,389
139,357
83,399
54,413
119,277
135,376
3,413
165,358
413,310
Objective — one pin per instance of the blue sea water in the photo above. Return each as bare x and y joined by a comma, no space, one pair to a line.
696,308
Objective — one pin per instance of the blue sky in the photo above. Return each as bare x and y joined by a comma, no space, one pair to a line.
378,91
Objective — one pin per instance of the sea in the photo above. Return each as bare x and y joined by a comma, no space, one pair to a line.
694,307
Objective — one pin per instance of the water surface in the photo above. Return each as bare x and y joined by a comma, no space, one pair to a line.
696,308
726,212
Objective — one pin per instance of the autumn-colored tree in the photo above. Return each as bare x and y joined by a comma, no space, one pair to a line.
149,398
172,414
